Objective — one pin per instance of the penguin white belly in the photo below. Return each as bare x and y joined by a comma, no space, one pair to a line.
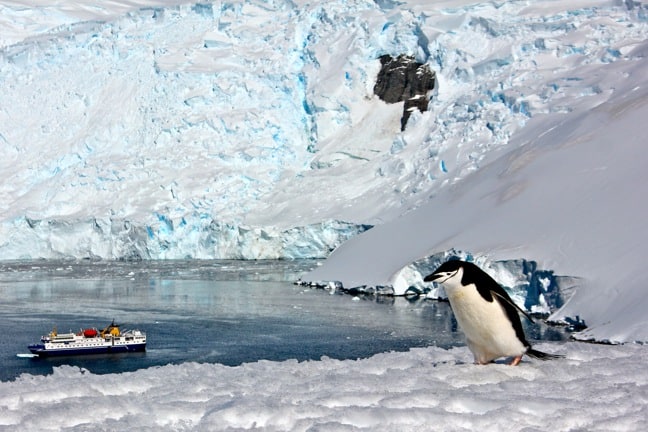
489,332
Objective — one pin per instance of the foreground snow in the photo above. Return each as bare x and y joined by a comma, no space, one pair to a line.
596,388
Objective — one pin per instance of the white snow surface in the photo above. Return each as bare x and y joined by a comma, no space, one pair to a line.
595,388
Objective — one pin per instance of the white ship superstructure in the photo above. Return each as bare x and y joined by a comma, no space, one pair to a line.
90,341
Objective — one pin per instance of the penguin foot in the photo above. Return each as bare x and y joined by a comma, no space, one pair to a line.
516,361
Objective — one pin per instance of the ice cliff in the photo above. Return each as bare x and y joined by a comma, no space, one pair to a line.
261,116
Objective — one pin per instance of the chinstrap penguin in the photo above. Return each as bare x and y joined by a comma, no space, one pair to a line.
485,312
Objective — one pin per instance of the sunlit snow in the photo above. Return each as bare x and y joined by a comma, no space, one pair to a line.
596,388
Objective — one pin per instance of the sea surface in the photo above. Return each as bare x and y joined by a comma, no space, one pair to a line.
228,312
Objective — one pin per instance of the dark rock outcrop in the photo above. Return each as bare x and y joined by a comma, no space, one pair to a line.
404,79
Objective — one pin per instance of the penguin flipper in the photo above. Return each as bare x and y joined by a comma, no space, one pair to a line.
512,303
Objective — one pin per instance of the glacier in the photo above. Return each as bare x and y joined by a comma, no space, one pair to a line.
243,129
201,114
214,111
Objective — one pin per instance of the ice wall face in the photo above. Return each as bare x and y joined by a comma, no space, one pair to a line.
532,288
193,112
169,109
191,237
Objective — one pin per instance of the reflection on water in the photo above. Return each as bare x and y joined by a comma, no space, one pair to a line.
227,312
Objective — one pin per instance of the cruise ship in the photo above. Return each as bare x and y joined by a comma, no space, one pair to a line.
90,341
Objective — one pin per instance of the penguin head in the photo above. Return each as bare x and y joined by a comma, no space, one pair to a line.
449,273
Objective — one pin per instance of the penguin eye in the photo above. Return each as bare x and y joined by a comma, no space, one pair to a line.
444,277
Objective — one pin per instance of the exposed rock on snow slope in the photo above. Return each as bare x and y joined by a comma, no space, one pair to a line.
403,79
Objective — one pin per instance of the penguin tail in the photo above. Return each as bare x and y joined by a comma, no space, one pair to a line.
542,355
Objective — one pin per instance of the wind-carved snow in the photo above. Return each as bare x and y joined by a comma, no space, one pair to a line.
250,127
534,289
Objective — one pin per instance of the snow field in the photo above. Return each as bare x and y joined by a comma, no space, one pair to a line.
596,388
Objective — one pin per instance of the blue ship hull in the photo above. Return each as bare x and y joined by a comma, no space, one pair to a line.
41,351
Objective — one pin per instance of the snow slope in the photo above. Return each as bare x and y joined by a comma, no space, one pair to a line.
567,193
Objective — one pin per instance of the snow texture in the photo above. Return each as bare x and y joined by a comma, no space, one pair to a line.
596,388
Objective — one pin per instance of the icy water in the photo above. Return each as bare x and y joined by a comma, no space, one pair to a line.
227,312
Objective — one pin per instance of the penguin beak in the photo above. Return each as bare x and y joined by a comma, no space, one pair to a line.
439,277
433,277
